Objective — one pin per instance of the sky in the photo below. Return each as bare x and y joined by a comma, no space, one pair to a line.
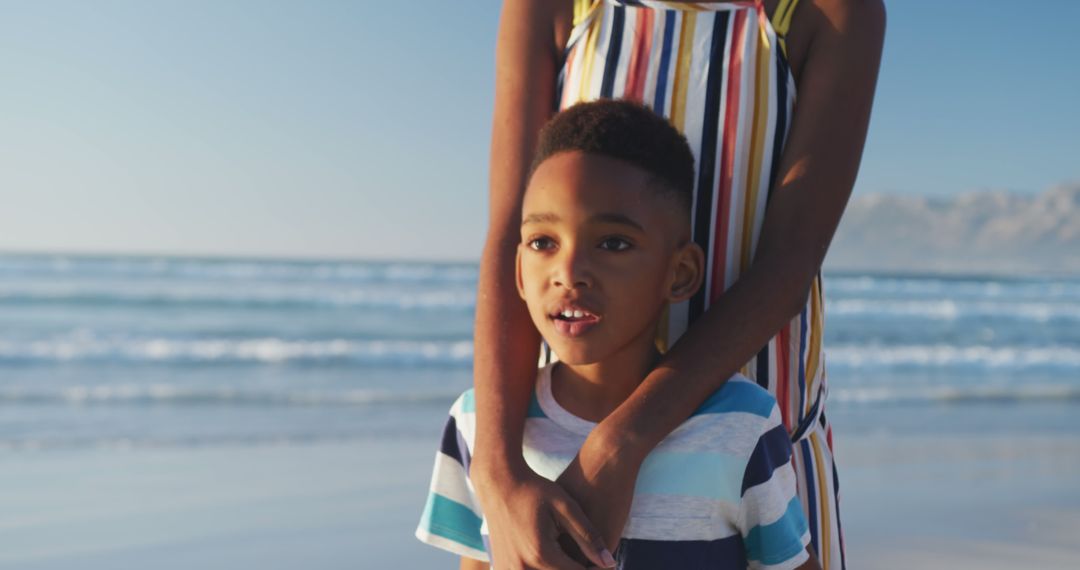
334,129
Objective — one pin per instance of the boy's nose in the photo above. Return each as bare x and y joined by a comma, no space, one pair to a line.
572,271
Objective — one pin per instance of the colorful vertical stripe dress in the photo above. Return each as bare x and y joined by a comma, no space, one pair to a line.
718,71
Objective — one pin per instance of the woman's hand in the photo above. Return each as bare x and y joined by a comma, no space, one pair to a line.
526,516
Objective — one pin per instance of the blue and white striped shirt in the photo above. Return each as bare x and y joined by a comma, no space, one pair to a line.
718,492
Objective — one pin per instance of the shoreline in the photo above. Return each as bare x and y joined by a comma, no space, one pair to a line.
828,270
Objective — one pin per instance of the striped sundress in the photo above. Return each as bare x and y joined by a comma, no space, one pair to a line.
718,71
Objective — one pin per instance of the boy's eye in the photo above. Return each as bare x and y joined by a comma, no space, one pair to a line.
614,244
541,244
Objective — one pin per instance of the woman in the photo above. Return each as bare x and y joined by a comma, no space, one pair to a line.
773,180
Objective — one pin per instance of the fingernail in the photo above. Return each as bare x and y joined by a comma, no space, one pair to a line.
608,559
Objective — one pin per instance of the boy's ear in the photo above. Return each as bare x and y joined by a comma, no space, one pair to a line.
688,272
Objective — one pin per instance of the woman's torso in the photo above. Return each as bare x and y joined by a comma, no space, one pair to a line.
718,71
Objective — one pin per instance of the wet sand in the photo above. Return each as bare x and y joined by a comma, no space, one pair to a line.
958,501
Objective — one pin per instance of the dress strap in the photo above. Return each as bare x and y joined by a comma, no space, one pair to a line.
781,20
582,9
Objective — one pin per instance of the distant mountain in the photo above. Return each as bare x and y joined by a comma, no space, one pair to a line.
979,232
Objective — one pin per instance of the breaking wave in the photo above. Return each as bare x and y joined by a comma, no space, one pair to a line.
269,350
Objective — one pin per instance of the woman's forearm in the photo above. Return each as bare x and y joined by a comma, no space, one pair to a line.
506,344
504,358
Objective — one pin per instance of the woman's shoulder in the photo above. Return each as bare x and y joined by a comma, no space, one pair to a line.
824,21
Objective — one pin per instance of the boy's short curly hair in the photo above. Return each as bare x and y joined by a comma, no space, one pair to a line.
628,131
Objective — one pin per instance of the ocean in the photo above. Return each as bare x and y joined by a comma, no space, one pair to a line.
174,412
159,351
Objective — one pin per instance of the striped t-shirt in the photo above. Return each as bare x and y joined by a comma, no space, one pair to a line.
718,492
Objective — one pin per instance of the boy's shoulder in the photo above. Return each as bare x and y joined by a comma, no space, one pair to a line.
464,404
460,429
731,421
463,414
739,395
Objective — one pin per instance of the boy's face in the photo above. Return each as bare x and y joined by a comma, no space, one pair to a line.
601,255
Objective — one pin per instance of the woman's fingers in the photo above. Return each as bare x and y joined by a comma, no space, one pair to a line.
554,558
524,530
570,517
548,556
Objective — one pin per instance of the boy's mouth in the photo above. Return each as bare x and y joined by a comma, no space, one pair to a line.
573,321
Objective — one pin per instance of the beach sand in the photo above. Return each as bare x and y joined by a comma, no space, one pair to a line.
333,505
961,501
927,501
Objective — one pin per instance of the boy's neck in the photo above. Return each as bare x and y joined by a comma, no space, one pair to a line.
592,391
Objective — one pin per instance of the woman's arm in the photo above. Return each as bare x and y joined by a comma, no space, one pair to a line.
525,512
842,42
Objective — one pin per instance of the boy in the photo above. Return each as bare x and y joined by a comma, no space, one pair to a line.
605,248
